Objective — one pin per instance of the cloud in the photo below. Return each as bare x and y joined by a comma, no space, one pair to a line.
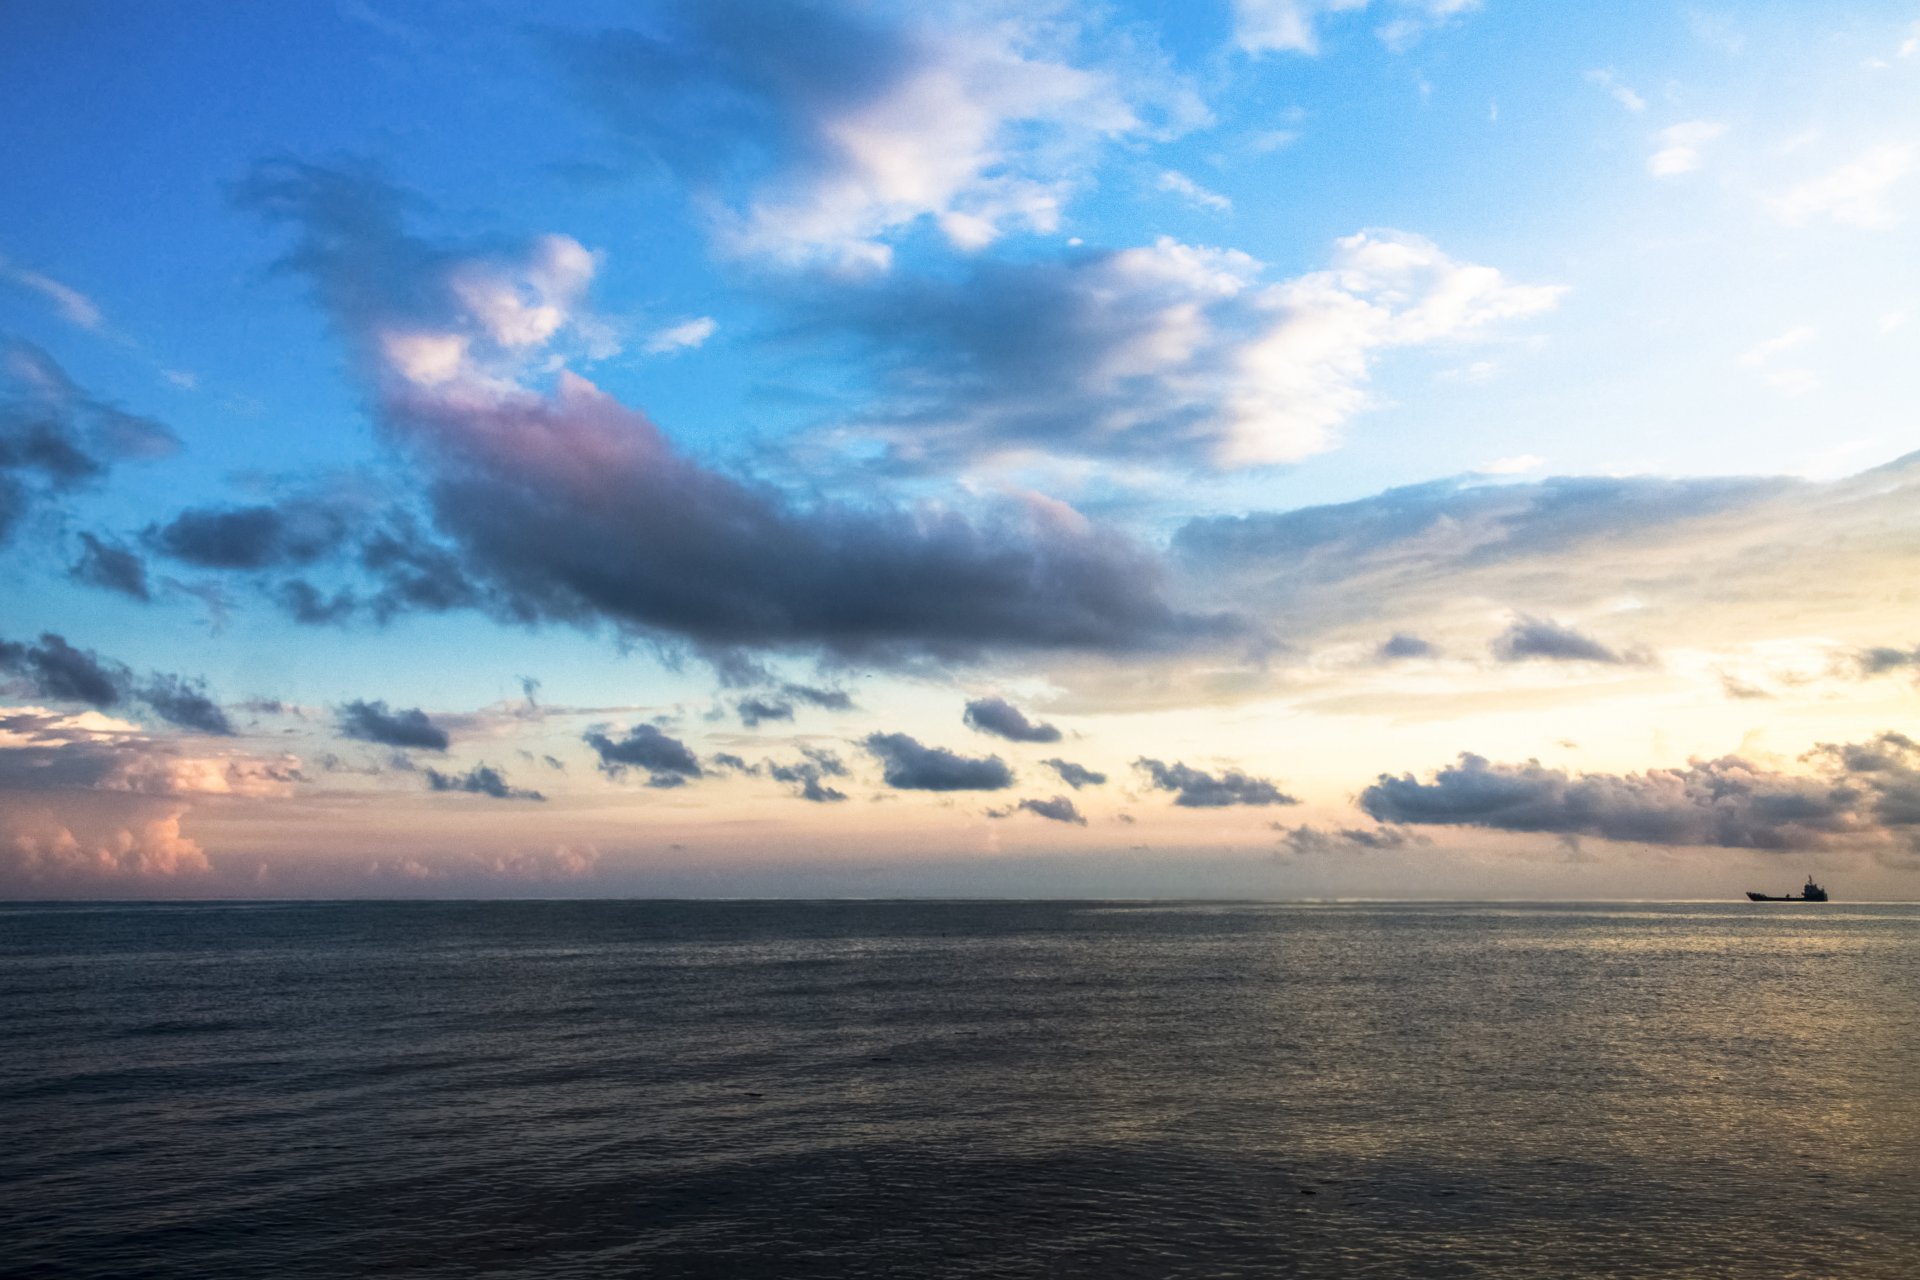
1075,775
667,760
1058,809
909,766
1197,790
110,567
374,722
1307,840
818,763
1622,94
1402,645
818,133
55,669
41,850
55,437
1881,659
826,699
73,305
684,336
1854,194
255,537
1432,554
1002,719
1166,353
1193,193
1293,26
571,506
185,703
753,711
1853,794
1680,145
484,780
1762,355
1541,638
48,751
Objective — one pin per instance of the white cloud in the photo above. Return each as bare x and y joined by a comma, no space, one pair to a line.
684,336
1167,349
1270,140
846,127
74,306
1293,26
1517,465
1680,146
1605,78
1181,185
506,317
1762,352
1763,355
1855,194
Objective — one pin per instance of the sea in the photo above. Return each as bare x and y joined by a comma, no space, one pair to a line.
971,1089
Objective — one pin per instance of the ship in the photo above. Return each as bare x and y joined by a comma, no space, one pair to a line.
1811,893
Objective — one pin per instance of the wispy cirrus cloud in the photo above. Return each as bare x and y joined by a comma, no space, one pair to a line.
1854,194
813,133
1294,26
1168,351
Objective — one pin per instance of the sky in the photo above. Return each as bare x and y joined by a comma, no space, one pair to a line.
1255,448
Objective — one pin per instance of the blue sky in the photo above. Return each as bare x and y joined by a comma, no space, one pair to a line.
1285,391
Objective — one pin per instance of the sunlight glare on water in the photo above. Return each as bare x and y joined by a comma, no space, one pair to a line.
966,1089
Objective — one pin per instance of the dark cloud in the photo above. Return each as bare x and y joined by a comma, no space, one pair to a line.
417,573
185,703
755,710
1402,645
309,606
482,780
374,722
55,669
807,774
666,760
256,537
111,567
1881,659
826,699
55,437
1002,719
1318,840
909,766
1852,792
1197,790
571,506
1740,690
1540,638
1058,809
1074,775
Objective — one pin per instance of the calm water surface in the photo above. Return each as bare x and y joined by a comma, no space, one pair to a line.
959,1089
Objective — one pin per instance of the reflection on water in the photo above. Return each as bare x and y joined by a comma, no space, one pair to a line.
840,1089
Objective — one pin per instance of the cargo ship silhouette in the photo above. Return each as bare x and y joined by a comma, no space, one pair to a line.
1812,893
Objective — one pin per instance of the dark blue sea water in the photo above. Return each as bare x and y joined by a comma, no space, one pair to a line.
959,1089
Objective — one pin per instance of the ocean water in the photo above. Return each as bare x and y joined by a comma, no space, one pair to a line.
959,1089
